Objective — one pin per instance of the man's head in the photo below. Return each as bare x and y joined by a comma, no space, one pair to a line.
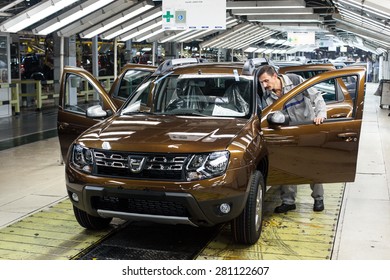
268,78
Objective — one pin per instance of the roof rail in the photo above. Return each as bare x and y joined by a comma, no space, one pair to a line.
168,64
251,64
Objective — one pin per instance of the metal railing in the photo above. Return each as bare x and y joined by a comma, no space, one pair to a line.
40,90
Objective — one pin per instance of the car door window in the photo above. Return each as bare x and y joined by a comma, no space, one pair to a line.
139,100
130,82
307,74
329,90
338,96
80,94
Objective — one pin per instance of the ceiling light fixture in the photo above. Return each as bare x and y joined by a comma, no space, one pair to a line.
133,23
140,30
71,16
34,14
232,5
278,11
151,33
284,18
117,19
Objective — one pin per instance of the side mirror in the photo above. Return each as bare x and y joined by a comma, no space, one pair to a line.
96,112
278,118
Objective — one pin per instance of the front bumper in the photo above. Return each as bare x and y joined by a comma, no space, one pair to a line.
157,206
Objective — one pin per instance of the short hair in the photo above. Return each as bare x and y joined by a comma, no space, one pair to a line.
267,69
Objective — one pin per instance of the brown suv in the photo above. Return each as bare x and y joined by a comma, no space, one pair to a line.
193,145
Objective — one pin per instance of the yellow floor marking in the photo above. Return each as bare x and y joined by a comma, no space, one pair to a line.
302,234
297,235
50,234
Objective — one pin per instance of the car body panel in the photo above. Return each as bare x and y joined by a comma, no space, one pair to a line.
71,124
155,133
309,153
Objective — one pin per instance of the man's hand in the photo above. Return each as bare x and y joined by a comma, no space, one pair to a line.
318,120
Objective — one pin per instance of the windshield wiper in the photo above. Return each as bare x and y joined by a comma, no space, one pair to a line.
138,112
192,114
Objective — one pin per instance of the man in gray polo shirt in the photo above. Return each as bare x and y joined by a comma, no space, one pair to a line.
299,108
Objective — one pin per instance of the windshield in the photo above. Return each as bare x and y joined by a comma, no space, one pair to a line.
204,95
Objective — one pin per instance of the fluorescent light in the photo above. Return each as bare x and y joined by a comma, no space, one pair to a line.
95,18
9,6
284,18
278,11
232,5
271,41
249,31
259,37
140,30
295,26
133,23
191,36
116,20
359,17
242,38
153,32
71,16
250,49
364,7
176,35
227,33
34,14
280,42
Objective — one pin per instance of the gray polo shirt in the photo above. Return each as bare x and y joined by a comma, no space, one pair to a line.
304,106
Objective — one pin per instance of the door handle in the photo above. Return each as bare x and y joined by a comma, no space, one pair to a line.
340,115
63,125
348,136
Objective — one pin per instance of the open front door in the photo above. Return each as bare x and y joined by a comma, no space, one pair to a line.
307,153
79,91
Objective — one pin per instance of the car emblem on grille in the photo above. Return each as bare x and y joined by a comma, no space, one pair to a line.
136,163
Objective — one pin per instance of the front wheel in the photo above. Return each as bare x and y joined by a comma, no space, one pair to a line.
89,221
246,228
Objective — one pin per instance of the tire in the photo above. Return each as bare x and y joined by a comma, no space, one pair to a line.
246,228
90,222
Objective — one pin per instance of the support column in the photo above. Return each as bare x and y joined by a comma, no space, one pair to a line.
128,52
95,57
115,58
64,54
5,75
154,53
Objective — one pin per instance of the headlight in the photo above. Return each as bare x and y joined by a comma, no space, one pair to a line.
82,158
204,166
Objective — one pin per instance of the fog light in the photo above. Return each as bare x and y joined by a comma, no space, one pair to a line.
75,197
224,208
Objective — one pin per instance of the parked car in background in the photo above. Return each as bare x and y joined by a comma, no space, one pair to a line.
193,144
37,67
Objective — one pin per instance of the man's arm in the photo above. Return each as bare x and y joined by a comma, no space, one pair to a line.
319,105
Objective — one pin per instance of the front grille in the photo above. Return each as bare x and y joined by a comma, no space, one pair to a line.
139,166
140,206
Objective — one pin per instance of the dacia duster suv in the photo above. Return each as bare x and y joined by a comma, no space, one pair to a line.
194,145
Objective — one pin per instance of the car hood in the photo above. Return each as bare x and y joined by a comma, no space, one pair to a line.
167,134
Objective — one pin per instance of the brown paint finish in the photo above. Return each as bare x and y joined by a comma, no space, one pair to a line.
144,151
